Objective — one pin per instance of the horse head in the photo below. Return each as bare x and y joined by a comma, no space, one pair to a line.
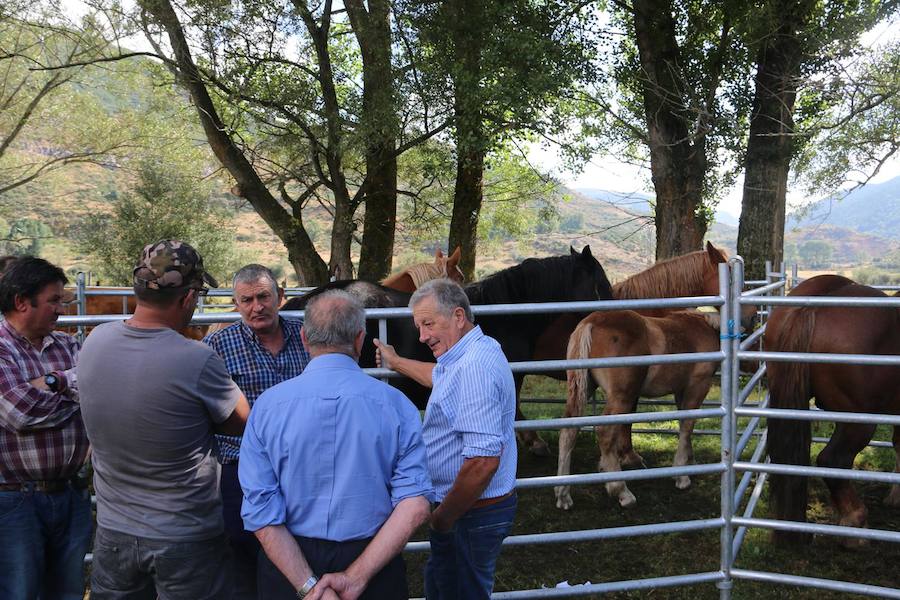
451,266
717,256
589,281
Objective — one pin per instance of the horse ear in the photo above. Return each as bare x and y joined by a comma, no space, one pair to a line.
438,254
586,252
715,255
572,251
453,259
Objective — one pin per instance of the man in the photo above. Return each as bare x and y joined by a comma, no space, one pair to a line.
151,400
468,431
333,470
260,350
45,527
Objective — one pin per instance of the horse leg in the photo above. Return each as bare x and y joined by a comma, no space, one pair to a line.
627,456
529,439
567,437
688,400
848,440
608,440
893,498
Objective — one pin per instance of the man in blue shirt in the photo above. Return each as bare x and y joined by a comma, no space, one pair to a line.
471,443
260,350
333,469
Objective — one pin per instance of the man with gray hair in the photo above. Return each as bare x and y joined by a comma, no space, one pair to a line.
260,350
468,432
333,470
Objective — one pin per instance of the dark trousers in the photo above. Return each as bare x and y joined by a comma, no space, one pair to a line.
244,546
325,556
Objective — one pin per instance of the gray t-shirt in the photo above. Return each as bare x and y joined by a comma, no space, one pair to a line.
150,399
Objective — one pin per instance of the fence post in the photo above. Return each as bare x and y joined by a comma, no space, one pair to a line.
80,302
728,330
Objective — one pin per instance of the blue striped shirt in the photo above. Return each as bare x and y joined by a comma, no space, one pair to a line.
331,453
254,369
471,413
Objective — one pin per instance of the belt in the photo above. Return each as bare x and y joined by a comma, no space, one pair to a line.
52,486
489,501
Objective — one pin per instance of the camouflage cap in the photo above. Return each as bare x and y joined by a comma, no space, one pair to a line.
171,264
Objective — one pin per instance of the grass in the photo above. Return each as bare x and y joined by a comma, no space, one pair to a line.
533,567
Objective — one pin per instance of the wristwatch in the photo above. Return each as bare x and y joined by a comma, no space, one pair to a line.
52,381
307,587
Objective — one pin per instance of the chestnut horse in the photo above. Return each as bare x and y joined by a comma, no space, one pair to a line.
629,333
841,387
122,305
410,279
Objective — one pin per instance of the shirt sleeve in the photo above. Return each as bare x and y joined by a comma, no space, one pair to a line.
25,407
478,417
263,503
410,477
219,392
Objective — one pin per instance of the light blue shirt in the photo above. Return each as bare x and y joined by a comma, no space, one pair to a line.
330,453
471,412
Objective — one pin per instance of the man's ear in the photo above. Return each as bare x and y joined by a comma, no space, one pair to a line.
303,338
21,303
359,341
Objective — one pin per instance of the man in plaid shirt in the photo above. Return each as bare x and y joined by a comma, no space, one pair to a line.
45,527
260,350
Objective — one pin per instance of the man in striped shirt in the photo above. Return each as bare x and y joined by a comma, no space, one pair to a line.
469,436
45,527
260,350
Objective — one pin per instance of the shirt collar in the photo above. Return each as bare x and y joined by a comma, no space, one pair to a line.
333,360
251,336
459,348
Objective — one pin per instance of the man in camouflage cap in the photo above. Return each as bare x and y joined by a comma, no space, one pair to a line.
171,264
151,402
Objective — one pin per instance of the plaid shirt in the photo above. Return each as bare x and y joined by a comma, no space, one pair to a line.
254,369
42,437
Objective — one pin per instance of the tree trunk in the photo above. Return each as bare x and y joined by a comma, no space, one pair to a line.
466,19
771,144
677,154
379,116
310,267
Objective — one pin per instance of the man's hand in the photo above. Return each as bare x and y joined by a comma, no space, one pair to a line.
322,591
340,585
438,523
39,383
384,354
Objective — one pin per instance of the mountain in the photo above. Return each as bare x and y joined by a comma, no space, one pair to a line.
872,210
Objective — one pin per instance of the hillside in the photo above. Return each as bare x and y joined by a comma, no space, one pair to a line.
872,210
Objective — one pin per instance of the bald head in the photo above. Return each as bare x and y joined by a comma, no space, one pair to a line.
332,323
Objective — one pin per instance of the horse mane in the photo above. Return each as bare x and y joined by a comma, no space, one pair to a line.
670,278
534,280
424,272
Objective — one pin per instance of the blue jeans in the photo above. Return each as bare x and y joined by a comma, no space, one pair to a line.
462,561
245,547
43,540
128,567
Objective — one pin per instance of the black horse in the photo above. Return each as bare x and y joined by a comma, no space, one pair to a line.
573,277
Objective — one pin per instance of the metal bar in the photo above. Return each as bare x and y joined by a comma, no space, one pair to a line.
825,472
842,301
621,419
761,291
814,582
820,357
819,415
636,475
879,535
730,286
751,384
749,341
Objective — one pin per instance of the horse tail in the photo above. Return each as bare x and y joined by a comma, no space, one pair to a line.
579,348
789,440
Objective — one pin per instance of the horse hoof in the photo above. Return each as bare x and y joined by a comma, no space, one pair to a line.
627,499
683,482
564,501
540,448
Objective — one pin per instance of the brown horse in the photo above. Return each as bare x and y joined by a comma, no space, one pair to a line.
844,387
410,279
120,305
629,333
